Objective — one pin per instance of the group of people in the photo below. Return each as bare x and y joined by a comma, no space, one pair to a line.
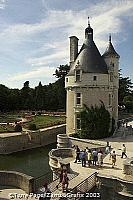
94,157
88,157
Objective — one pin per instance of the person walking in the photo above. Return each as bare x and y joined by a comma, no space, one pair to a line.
124,151
89,157
83,158
60,172
94,156
113,158
100,158
65,181
77,154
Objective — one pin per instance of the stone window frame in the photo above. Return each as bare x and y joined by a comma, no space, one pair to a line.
78,74
78,99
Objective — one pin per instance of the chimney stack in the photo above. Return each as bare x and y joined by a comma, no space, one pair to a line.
73,49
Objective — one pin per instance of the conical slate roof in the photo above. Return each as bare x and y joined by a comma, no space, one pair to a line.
110,50
89,58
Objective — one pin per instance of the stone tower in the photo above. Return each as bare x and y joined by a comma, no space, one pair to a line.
92,78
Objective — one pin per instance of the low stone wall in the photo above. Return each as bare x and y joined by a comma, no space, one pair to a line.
16,179
115,188
83,143
14,143
60,157
128,166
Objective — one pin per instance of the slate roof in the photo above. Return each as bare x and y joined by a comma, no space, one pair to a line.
110,50
89,59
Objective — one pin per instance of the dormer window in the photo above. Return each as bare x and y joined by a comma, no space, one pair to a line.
77,75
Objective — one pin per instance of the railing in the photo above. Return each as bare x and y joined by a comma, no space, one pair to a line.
85,186
39,181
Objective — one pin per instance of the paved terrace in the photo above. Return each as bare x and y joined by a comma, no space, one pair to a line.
106,169
84,172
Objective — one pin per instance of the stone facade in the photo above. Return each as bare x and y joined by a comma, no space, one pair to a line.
93,83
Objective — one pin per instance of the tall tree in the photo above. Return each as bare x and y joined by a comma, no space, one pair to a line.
125,88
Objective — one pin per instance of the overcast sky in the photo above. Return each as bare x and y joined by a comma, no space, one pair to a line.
34,35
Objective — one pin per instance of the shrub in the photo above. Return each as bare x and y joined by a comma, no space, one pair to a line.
32,127
95,122
18,128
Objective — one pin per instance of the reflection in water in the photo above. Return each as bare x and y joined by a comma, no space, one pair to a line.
32,162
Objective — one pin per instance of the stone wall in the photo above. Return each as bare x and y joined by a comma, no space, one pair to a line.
114,188
83,143
14,143
16,179
128,166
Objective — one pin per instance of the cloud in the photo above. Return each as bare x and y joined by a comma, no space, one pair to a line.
2,4
52,32
35,73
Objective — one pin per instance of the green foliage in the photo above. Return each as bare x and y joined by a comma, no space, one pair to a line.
45,121
128,102
95,122
32,127
125,88
18,128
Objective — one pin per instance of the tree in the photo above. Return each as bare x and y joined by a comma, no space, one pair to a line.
95,122
62,71
125,88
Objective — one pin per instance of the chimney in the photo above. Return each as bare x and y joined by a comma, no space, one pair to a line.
73,49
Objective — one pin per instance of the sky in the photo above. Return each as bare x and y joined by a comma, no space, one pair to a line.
34,35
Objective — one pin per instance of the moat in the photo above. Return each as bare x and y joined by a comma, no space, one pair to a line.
33,162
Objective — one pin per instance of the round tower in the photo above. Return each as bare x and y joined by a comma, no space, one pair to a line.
88,80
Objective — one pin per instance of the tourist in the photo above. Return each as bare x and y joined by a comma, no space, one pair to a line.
107,148
45,192
87,150
83,158
77,154
60,172
100,158
113,157
94,156
123,151
65,180
89,157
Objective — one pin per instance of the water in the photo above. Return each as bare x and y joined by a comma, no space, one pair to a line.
32,162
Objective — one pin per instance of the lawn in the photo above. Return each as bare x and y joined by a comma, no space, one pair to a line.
9,118
46,121
6,128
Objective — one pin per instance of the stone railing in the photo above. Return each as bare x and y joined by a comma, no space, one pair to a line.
115,188
83,143
128,166
60,157
16,179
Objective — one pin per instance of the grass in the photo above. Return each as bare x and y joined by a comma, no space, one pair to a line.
40,121
46,121
8,118
6,128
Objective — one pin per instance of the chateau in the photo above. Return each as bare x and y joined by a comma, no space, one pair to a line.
92,78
